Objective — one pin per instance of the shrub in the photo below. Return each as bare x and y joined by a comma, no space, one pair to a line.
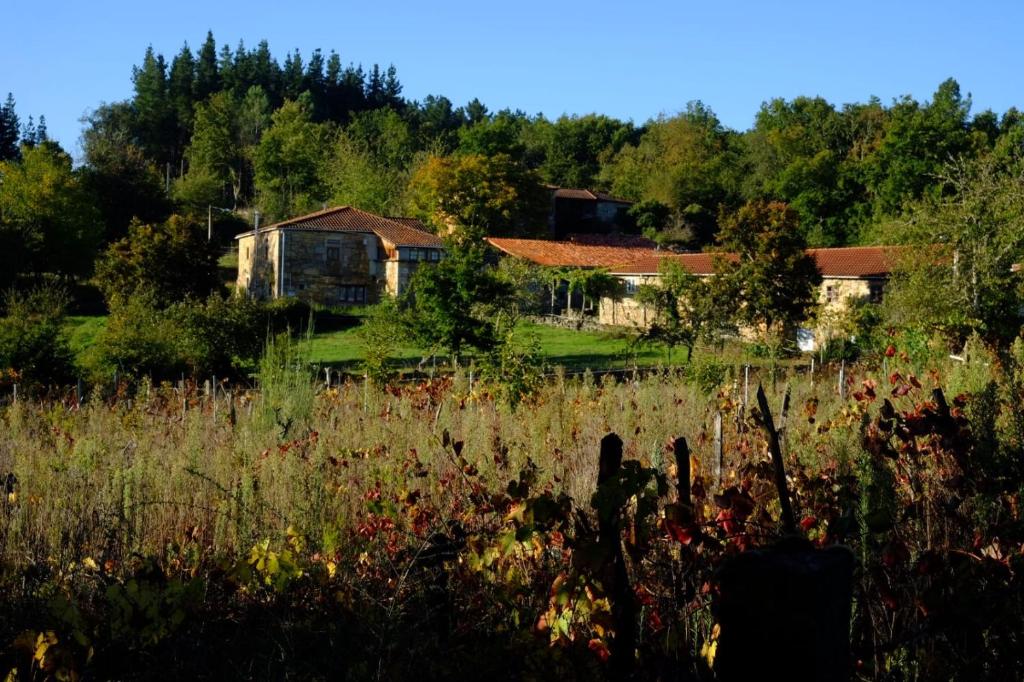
33,348
171,261
197,338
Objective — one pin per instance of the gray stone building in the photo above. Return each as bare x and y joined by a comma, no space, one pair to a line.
338,256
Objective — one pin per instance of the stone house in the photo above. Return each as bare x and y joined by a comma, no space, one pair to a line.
848,273
580,211
338,256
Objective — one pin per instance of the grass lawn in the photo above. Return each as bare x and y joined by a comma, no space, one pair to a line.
568,348
342,349
82,331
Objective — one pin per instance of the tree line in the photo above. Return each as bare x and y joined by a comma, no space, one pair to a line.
238,129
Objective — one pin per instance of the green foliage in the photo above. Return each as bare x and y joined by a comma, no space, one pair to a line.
479,196
171,261
196,338
452,304
9,131
514,366
687,309
123,181
956,277
369,165
771,283
34,350
687,163
379,336
48,220
288,160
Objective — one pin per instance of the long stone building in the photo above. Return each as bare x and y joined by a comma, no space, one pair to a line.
858,272
338,256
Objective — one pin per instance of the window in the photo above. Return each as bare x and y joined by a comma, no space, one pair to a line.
415,254
831,294
875,291
630,287
435,254
352,294
333,251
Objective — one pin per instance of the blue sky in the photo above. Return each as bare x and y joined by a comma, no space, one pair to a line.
630,60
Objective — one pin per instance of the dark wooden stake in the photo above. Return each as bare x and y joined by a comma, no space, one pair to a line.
682,454
788,520
609,528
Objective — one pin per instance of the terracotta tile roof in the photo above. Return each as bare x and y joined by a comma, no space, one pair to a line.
850,261
398,231
586,195
854,261
612,240
572,254
694,263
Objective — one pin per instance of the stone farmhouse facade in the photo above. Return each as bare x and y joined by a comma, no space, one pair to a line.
848,273
338,256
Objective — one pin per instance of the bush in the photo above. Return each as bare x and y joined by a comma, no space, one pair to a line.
33,348
708,375
171,261
196,338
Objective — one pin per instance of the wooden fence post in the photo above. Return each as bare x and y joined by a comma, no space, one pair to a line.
717,461
788,520
609,528
682,454
842,380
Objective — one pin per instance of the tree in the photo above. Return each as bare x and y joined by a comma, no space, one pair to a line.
770,281
207,80
48,221
686,162
796,152
289,159
154,113
575,146
122,180
181,93
9,130
477,195
370,161
957,276
170,260
32,340
215,151
918,141
452,305
687,309
499,134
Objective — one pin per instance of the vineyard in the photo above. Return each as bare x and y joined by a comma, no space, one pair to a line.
435,531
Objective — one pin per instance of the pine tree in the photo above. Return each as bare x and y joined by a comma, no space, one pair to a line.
28,133
41,133
207,79
181,88
315,83
292,75
153,108
9,130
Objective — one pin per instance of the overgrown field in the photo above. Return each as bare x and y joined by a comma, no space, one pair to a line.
431,531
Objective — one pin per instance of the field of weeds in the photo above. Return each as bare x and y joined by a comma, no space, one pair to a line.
432,531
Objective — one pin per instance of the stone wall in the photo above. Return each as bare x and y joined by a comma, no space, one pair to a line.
331,268
257,264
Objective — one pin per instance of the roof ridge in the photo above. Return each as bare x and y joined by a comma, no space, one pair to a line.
307,216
